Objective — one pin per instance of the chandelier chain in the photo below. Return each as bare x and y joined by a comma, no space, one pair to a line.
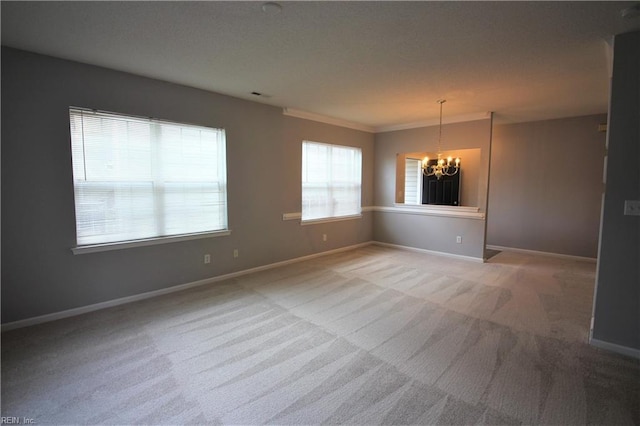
441,167
440,101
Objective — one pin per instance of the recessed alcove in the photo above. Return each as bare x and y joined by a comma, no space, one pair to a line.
469,176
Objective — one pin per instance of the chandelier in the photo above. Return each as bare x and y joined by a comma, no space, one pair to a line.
442,167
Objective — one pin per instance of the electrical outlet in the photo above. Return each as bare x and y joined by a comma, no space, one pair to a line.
236,253
459,239
632,208
207,258
324,237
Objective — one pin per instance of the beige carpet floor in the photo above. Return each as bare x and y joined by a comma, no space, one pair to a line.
370,336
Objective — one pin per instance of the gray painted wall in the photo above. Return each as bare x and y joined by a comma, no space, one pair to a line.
546,185
617,304
40,275
430,232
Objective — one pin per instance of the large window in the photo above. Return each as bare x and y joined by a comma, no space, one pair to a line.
137,178
331,181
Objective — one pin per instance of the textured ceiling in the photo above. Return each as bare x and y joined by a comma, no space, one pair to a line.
379,64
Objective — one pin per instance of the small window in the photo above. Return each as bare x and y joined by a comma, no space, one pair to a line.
413,181
137,178
331,181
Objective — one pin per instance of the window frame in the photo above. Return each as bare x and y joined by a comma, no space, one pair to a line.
165,182
417,189
332,186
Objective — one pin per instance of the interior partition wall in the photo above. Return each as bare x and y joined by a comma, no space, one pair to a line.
454,230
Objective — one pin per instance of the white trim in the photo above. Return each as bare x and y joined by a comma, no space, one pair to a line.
440,208
292,216
290,112
330,219
95,248
435,122
298,215
543,253
433,252
423,210
623,350
102,305
142,296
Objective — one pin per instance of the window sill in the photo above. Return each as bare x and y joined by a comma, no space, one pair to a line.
330,219
298,216
434,210
95,248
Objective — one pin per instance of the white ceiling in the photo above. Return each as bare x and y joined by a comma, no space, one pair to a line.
378,64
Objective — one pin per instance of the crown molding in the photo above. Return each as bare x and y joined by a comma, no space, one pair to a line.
290,112
435,122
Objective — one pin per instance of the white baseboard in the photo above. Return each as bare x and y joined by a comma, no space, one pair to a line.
129,299
136,297
623,350
436,253
543,253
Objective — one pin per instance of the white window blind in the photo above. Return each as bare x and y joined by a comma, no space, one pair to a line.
331,180
412,181
137,178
